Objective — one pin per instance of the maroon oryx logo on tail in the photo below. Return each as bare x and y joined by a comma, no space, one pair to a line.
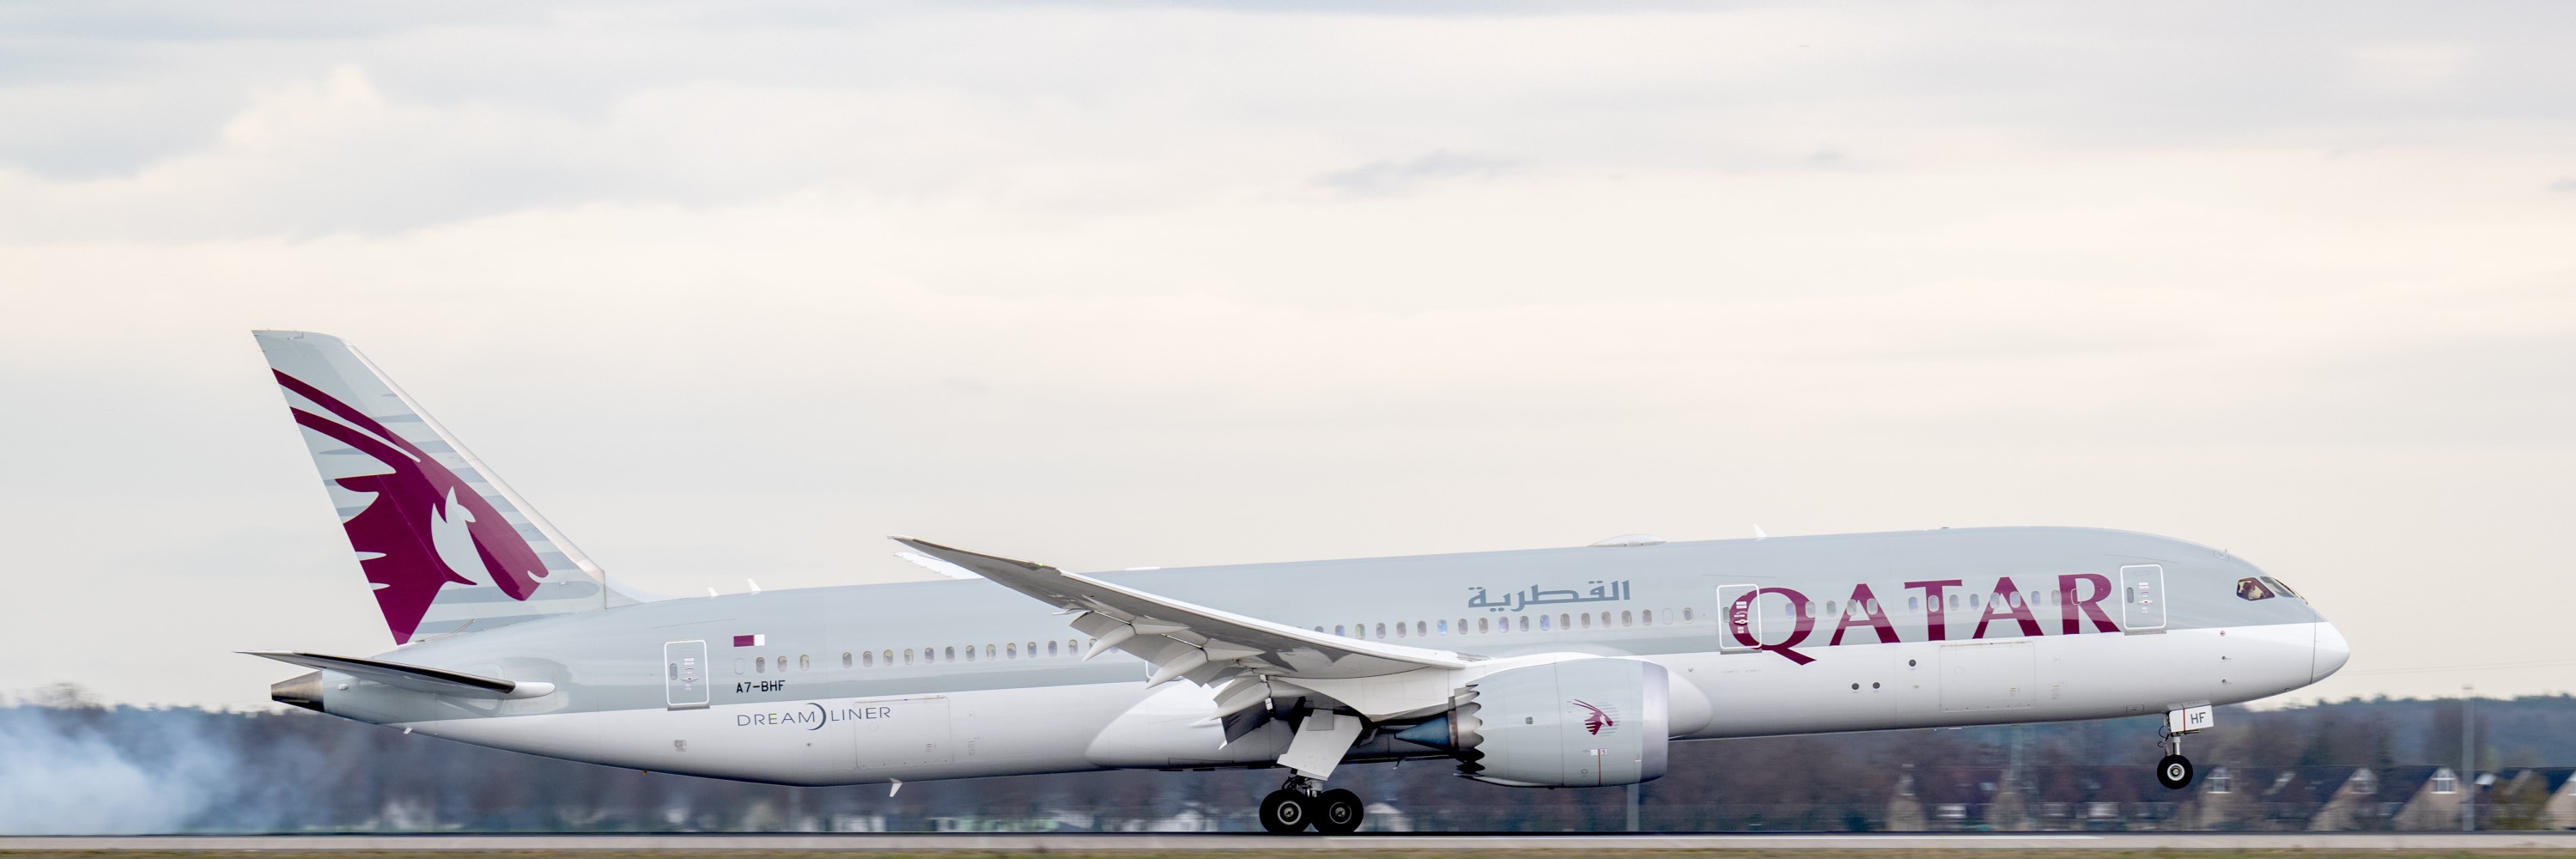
424,527
1598,721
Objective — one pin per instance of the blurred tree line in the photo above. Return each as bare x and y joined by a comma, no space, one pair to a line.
299,771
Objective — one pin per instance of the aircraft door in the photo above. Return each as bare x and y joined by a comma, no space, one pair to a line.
684,674
1739,618
2142,598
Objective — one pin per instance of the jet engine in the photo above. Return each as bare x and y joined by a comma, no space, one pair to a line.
1578,723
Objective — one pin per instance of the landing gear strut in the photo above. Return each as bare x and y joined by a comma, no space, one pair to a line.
1298,804
2175,771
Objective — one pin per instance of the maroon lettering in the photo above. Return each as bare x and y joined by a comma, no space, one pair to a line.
1936,621
2005,597
1741,616
2088,606
1867,603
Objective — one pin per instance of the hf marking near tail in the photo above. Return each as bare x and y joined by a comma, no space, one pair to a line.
1566,667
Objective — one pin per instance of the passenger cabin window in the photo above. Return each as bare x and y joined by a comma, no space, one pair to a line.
806,663
1421,629
1011,650
1337,630
1524,623
1050,648
1649,617
760,665
1686,615
907,656
868,659
1381,629
845,659
989,651
889,656
1587,620
1542,623
1444,627
952,653
1627,618
1483,624
1462,626
1399,630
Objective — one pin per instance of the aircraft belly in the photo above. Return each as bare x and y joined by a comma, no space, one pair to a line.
823,742
2048,678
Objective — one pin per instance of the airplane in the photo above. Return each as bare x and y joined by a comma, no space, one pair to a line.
1549,667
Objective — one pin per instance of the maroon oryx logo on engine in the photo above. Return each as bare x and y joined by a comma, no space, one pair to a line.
1598,721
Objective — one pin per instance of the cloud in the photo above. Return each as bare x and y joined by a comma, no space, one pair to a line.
1419,281
1397,176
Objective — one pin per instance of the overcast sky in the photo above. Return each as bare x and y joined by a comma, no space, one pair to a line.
731,289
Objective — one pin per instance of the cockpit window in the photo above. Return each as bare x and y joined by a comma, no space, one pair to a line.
2283,588
2253,588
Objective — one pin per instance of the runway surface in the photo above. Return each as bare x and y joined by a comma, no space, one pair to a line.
1206,843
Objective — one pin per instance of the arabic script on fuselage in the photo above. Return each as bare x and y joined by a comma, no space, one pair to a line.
1601,591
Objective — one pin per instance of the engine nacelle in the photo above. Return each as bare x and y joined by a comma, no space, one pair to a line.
1578,723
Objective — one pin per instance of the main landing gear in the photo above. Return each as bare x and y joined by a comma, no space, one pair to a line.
1298,804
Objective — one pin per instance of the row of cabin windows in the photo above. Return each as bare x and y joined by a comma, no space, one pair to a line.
926,655
1914,604
1415,629
1524,623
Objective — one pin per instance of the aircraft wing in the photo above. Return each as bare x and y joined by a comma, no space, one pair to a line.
1185,641
414,677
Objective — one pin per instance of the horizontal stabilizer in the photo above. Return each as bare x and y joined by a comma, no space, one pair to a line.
414,677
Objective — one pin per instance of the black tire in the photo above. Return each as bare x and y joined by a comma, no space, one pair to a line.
2174,772
1338,812
1284,812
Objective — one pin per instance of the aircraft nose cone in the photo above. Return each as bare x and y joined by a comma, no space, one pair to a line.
304,691
2332,652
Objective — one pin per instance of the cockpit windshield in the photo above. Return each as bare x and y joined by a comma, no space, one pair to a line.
2253,588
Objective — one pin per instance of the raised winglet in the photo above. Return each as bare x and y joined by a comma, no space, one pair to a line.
1184,640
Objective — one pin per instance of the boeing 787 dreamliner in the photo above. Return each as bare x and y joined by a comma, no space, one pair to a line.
1552,667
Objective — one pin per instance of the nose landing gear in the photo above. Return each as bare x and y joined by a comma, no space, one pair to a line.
2175,771
1298,804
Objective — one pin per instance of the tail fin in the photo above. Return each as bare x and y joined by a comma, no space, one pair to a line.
447,546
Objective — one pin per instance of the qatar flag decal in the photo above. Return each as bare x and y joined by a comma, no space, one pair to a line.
750,641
